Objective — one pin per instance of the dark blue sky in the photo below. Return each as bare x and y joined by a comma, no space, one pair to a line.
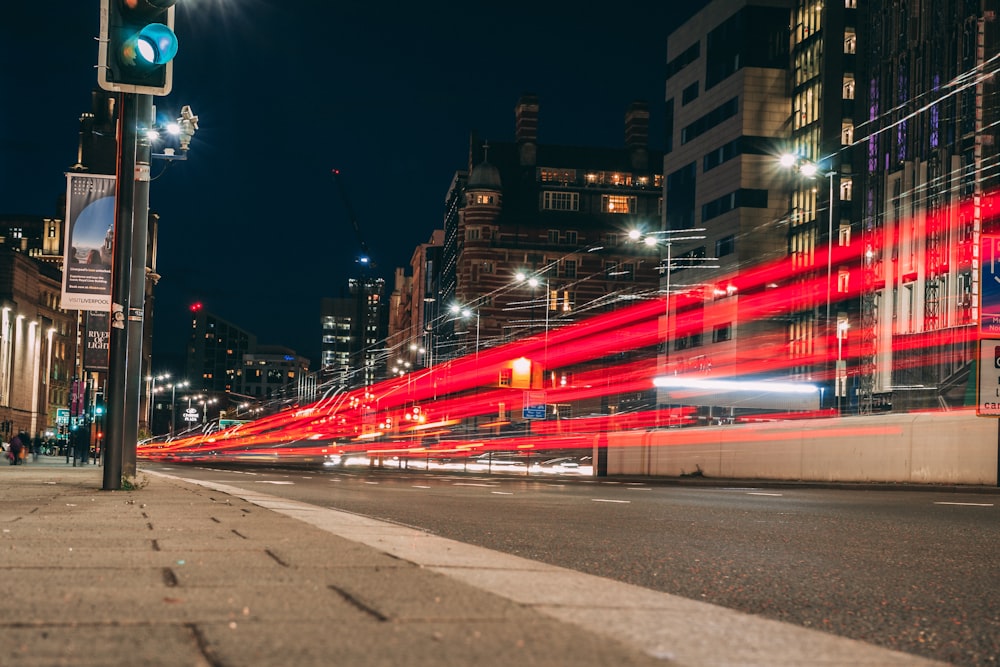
252,224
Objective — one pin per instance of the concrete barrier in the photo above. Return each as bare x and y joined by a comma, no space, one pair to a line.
922,448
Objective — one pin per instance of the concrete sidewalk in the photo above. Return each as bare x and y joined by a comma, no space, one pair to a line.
177,573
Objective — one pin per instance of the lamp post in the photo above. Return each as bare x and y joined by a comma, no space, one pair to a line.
465,314
811,170
841,386
151,379
173,405
660,239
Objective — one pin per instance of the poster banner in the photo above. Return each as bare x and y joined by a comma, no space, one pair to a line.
96,341
90,222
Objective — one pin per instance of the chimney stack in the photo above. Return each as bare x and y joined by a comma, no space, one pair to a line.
637,134
526,128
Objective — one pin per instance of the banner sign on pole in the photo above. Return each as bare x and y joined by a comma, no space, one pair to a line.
97,341
90,223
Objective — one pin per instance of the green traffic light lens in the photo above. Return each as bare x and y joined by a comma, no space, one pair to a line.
156,44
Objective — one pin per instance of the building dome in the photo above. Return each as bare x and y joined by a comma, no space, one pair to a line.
484,177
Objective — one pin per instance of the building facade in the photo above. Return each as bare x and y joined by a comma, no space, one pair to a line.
728,107
558,214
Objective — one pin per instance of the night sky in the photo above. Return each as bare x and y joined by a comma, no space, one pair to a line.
252,224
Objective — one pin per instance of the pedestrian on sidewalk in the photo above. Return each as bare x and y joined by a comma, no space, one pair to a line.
16,449
36,446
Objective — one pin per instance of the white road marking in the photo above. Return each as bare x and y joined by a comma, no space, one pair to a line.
471,484
372,483
965,504
761,493
606,500
269,481
420,486
502,493
635,488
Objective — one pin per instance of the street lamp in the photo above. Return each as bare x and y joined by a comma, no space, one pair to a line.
151,379
811,170
173,404
465,314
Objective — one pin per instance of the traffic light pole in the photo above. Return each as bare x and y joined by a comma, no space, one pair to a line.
128,283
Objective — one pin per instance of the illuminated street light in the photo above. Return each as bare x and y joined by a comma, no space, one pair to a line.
151,379
465,313
173,404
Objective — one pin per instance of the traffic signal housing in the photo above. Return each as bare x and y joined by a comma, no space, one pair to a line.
137,46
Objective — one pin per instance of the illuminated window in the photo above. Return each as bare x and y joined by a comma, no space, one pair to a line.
844,237
554,175
843,278
848,87
846,188
618,204
850,42
484,199
851,4
847,134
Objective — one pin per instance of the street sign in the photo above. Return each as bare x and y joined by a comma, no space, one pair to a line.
534,405
989,286
62,416
988,372
191,415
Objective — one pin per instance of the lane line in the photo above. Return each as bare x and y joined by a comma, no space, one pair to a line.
502,493
762,493
420,486
608,500
942,502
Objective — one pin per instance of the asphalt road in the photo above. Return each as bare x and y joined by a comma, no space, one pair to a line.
914,571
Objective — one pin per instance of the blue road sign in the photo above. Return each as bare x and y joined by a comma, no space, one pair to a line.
534,405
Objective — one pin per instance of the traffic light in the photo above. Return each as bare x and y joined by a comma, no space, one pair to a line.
137,46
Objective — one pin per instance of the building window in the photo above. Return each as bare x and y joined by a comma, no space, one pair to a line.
484,199
851,4
553,236
848,87
846,188
843,279
553,175
844,236
570,238
722,333
689,94
850,42
847,134
472,234
619,204
560,201
569,268
725,246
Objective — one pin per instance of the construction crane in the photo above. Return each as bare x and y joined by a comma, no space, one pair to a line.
365,259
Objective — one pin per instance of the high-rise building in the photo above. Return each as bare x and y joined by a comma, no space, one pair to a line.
354,329
215,352
927,117
728,105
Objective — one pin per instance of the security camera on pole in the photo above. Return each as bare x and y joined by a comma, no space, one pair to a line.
135,58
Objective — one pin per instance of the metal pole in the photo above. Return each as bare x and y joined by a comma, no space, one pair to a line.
829,270
127,290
